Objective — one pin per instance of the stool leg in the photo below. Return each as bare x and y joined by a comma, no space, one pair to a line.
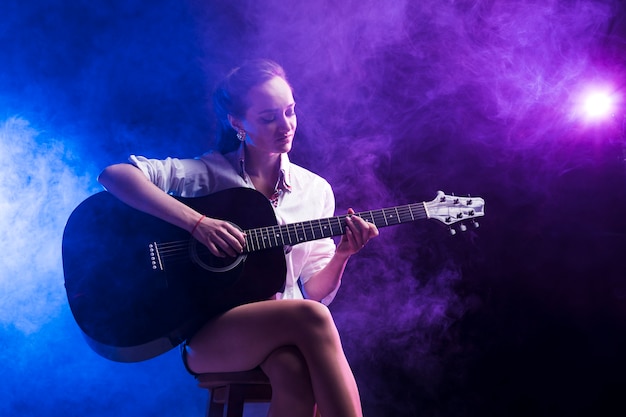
214,408
236,400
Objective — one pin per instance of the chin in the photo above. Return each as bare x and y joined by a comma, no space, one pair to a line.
285,148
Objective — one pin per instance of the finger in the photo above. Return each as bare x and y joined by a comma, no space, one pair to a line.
360,227
353,233
228,245
236,242
364,230
215,249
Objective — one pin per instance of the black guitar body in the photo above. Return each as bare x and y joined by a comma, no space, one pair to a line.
138,286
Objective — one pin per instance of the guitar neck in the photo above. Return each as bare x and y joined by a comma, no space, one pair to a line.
294,233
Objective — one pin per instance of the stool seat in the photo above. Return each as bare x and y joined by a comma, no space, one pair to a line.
229,391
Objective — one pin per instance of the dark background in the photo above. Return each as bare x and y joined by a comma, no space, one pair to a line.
524,316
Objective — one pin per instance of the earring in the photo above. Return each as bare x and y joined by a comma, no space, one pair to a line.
241,135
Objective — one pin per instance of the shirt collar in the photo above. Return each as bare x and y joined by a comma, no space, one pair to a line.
284,173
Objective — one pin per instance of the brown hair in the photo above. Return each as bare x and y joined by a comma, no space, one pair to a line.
230,95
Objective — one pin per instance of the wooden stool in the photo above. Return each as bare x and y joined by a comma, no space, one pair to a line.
229,391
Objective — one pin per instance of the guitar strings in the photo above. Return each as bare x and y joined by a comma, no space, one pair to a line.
291,234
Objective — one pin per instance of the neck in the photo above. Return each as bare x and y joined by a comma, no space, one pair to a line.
262,165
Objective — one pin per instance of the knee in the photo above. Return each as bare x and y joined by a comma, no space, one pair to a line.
310,326
314,314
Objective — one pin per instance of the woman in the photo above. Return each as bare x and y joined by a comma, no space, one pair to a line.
292,337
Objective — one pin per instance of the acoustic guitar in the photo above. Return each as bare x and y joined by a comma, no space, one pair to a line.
138,286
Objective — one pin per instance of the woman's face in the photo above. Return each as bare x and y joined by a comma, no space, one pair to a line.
270,121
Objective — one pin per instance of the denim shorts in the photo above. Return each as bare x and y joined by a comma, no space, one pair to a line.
183,353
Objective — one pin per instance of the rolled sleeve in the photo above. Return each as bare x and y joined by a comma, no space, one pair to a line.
181,177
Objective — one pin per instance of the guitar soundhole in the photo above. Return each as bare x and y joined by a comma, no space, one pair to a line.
202,257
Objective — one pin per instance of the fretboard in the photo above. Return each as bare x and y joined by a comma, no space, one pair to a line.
294,233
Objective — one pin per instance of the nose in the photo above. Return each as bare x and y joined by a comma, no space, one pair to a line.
286,123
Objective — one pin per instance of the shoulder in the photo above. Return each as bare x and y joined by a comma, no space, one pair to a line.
215,161
166,166
303,176
211,156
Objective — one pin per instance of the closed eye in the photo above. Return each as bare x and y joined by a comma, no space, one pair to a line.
269,116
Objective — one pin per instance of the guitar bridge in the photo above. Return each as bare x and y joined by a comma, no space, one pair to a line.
155,256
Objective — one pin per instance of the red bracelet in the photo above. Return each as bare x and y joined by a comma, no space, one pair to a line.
197,224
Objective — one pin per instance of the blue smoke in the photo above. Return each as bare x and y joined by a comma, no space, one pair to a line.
395,101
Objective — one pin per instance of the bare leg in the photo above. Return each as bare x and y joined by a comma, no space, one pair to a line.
244,337
292,393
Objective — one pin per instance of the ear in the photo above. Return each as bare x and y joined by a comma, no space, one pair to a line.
235,123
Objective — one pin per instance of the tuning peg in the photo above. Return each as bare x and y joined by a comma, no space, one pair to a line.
452,232
462,227
475,224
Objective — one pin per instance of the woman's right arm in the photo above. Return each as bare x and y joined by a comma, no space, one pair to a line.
131,186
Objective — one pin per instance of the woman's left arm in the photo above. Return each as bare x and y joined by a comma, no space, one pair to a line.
326,280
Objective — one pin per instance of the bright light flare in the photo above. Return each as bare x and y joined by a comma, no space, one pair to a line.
598,105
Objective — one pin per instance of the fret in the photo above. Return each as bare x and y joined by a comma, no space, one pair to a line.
298,235
385,217
408,214
278,237
301,232
330,226
401,214
295,234
285,234
256,238
304,238
250,242
281,234
341,228
319,224
411,212
292,238
265,237
378,218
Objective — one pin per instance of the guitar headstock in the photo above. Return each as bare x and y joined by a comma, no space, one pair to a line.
451,209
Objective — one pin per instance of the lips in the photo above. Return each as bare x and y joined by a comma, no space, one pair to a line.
284,138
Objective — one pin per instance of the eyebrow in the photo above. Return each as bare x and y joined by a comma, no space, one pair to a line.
275,110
